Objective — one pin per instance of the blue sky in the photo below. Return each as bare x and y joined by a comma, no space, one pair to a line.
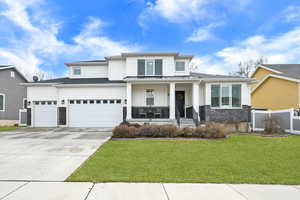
38,36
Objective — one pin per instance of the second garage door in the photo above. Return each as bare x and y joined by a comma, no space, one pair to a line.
95,113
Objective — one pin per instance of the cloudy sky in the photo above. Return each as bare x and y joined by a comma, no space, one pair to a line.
40,35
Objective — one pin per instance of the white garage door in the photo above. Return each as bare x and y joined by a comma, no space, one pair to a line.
45,114
95,113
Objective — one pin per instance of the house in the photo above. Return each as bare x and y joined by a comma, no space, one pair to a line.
12,94
277,86
137,87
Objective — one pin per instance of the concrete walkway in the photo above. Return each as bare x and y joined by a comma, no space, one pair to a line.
144,191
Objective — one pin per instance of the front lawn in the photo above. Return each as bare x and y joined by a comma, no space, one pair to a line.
7,128
238,159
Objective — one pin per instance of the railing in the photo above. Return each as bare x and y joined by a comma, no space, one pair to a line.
177,116
195,117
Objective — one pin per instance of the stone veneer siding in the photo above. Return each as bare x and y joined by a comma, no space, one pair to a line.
225,115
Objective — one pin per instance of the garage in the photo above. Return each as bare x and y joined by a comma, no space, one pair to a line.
95,113
45,114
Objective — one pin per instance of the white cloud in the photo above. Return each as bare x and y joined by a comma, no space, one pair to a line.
203,33
292,13
281,49
38,44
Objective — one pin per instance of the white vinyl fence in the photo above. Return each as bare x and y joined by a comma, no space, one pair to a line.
285,119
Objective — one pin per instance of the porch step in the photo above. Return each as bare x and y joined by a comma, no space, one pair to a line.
184,122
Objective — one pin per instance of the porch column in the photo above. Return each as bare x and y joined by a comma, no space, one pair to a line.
196,96
172,101
129,101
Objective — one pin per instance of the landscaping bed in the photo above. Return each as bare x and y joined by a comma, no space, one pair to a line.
209,130
238,159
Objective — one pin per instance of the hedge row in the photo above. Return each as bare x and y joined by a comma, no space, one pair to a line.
209,130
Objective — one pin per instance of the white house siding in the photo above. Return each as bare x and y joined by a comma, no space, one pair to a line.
99,92
116,69
38,93
100,71
168,64
245,92
186,72
160,94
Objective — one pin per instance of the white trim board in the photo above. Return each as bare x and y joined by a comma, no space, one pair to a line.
266,68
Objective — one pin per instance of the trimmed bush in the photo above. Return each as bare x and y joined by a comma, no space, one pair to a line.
124,131
209,130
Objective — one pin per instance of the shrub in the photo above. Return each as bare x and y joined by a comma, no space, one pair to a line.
272,126
124,131
168,131
148,131
136,125
186,132
211,130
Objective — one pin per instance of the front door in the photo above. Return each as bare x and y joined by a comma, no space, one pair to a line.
180,102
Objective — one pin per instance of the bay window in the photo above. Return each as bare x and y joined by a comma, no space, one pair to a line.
226,96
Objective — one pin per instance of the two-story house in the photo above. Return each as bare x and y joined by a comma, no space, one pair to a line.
12,94
137,87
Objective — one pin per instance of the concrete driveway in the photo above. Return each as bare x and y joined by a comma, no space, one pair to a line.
45,154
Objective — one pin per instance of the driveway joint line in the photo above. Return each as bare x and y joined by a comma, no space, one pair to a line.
230,186
16,189
167,195
89,192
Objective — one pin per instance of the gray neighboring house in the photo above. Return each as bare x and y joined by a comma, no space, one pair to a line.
12,94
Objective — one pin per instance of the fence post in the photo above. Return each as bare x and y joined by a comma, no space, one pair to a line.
253,120
292,120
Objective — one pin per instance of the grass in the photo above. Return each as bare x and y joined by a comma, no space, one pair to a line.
7,128
238,159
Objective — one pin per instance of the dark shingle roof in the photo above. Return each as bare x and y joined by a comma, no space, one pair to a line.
79,81
289,70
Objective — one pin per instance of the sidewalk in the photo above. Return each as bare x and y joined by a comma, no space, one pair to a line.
144,191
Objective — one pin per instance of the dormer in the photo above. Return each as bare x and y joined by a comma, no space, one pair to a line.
88,69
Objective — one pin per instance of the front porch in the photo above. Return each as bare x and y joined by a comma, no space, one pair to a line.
162,102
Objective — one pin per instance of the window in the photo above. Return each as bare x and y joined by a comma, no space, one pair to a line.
149,97
71,101
180,66
25,103
111,101
226,96
84,101
150,67
43,102
2,102
118,101
92,101
98,101
105,101
49,102
215,95
78,102
12,74
236,95
76,71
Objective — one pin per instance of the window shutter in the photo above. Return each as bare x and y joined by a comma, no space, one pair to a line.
141,68
158,67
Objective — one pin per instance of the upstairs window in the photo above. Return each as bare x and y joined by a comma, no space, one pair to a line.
149,67
149,97
76,71
180,66
226,96
2,102
12,74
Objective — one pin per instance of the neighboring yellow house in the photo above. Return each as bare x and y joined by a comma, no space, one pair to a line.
277,87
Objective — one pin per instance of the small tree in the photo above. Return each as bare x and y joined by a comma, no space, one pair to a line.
246,67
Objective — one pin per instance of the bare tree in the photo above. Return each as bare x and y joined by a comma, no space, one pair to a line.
246,67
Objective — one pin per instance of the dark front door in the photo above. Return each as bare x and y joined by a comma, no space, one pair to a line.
180,102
